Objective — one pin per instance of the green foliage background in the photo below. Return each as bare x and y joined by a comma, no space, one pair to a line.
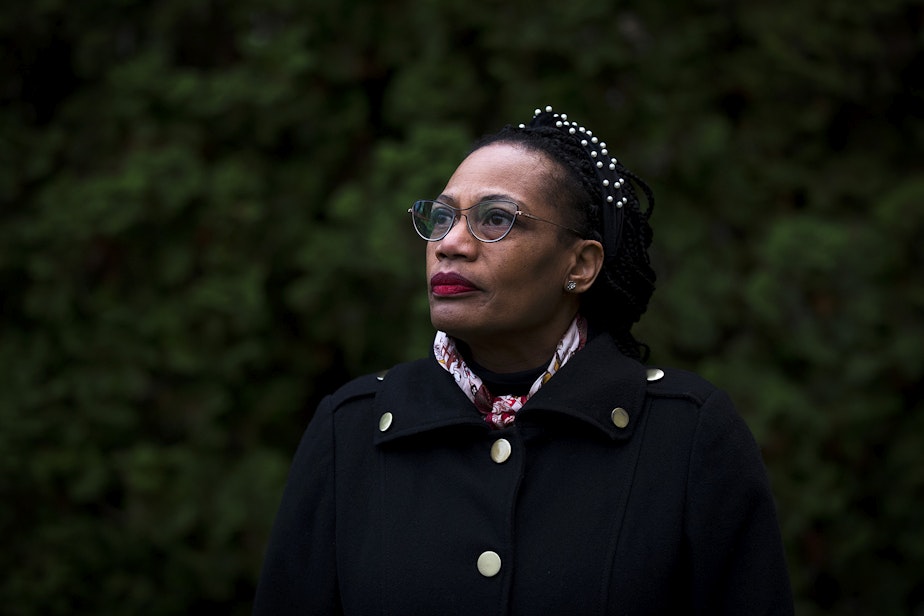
203,230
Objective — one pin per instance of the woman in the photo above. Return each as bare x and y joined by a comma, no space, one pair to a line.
531,464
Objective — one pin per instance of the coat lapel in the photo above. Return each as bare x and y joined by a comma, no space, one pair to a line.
596,385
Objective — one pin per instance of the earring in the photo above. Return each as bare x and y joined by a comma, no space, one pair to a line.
571,286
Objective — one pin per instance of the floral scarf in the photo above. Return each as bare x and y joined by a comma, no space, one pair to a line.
500,411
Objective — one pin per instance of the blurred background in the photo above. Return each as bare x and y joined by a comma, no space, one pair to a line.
203,230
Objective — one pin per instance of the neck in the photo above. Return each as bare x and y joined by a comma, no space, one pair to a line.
517,353
506,360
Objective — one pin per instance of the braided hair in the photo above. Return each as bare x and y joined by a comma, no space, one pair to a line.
597,197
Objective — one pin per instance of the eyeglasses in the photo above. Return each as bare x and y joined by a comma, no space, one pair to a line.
488,221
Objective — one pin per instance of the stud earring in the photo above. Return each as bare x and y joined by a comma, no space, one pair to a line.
571,286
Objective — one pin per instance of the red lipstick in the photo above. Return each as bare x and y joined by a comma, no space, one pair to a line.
450,284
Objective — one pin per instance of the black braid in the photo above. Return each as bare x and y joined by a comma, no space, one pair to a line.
619,297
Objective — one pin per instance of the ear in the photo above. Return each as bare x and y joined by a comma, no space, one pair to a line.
588,260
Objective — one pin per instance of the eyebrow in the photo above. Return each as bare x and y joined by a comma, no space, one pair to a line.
449,200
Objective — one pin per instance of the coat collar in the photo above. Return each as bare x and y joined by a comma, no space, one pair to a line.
599,386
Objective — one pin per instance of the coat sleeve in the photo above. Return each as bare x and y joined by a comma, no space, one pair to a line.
735,549
299,573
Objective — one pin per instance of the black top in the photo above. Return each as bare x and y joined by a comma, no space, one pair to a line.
507,383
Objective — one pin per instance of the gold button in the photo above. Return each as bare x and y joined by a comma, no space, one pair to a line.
500,450
620,417
385,421
489,563
655,374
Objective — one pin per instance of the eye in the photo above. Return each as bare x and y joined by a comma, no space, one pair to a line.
441,217
496,215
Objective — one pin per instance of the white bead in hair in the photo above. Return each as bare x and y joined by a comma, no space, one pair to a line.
596,149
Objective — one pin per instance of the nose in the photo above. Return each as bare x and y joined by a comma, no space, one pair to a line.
459,242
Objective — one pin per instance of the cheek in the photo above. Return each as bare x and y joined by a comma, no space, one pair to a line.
430,255
535,265
526,278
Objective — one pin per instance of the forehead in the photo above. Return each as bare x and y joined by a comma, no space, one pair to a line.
500,169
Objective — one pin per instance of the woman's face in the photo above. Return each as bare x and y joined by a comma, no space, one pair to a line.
506,297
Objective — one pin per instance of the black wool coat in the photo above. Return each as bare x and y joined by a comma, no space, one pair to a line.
616,491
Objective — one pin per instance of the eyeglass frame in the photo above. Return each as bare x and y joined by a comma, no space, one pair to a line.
458,213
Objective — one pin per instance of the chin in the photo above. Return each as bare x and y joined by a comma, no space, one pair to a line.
455,327
449,326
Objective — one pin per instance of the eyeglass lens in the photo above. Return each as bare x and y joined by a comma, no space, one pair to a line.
488,221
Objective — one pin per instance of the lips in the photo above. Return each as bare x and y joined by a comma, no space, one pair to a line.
451,284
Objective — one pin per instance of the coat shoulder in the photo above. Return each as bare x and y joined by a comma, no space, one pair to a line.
365,386
368,385
680,384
